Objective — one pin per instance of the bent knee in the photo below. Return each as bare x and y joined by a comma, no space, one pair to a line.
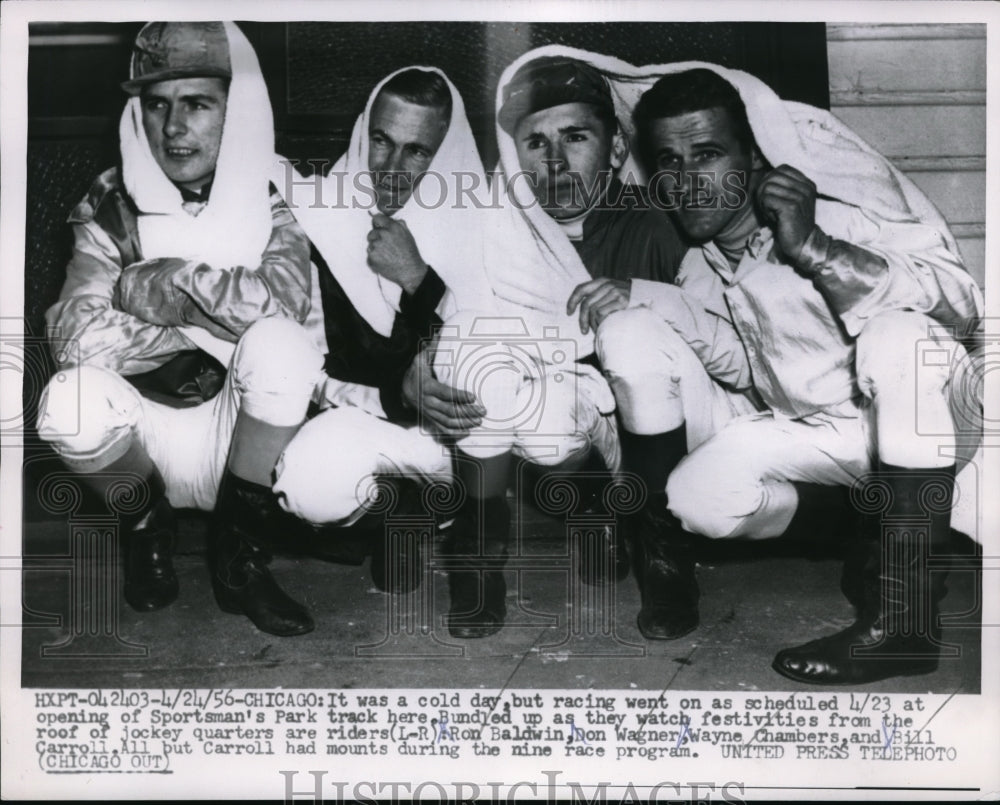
472,354
86,408
326,472
551,451
892,336
707,505
636,343
900,350
274,353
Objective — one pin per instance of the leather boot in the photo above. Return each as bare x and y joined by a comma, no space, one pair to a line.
246,514
825,514
852,576
664,567
602,549
896,632
148,541
476,561
396,551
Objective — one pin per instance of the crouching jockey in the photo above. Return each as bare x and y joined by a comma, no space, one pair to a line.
824,282
177,257
572,228
396,229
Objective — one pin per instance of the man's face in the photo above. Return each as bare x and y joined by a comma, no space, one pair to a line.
403,138
183,119
570,152
709,172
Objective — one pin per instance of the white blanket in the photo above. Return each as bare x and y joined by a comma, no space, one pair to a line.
535,278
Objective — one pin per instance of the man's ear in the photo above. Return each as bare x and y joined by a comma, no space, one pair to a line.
619,148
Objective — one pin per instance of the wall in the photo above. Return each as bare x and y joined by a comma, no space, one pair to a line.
917,93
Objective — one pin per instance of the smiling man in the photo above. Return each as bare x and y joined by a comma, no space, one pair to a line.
182,254
183,120
403,137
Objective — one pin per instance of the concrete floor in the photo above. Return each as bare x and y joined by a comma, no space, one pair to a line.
756,599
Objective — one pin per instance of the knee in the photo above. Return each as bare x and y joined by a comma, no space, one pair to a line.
276,354
899,350
553,450
473,355
707,504
561,431
630,344
85,409
326,473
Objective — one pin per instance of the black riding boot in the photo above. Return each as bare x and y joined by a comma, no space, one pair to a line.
477,556
148,542
147,535
395,564
825,514
896,632
664,566
247,515
602,549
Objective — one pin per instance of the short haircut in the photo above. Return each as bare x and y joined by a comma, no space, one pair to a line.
690,91
421,87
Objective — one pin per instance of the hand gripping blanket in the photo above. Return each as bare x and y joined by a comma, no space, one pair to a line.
532,264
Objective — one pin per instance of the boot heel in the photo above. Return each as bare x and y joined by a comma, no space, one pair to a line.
224,599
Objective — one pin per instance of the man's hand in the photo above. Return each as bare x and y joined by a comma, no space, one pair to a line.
597,300
144,291
787,199
447,410
393,253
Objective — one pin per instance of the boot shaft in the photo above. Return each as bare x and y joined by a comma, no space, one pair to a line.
908,528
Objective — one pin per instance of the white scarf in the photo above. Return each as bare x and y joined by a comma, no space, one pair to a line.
336,212
234,227
539,275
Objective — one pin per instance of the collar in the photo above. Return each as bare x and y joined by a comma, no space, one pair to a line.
198,196
573,227
603,211
760,240
759,245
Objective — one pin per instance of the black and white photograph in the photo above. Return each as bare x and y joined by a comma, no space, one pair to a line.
583,401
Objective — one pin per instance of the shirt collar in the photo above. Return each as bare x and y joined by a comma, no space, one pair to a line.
760,241
759,244
199,196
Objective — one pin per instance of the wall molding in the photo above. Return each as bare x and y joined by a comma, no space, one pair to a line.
969,230
947,164
879,97
839,32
